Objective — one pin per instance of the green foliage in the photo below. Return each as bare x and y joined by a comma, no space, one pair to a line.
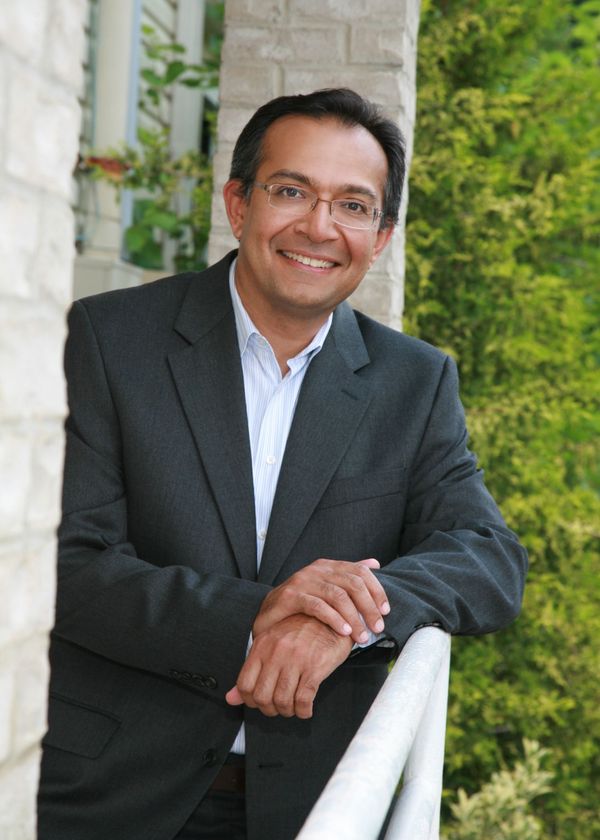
167,65
499,811
159,177
214,25
503,260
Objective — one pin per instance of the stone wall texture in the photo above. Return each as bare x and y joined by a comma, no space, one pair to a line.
41,44
278,47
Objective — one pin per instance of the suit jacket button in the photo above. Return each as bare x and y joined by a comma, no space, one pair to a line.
209,758
175,674
210,682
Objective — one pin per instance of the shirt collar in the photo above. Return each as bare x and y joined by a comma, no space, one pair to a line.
245,327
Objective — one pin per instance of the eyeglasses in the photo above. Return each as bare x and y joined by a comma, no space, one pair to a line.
298,201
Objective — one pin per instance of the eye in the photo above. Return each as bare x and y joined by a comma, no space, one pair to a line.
356,208
289,192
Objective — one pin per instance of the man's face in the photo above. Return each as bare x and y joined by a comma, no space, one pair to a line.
274,276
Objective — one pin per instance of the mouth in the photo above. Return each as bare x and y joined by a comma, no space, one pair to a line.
311,262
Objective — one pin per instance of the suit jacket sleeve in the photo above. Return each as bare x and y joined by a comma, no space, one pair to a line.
109,600
459,565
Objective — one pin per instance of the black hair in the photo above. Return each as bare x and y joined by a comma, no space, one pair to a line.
342,104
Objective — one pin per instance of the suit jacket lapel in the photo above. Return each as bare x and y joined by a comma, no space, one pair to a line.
332,402
208,377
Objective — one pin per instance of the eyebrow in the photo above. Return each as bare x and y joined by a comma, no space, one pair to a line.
299,178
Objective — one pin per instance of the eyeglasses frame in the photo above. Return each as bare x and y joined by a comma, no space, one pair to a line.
377,214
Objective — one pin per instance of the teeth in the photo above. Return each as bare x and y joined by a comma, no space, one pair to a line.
308,260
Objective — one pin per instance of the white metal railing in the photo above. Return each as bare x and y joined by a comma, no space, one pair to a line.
404,730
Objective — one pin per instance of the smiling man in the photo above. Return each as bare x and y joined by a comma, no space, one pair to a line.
265,494
299,259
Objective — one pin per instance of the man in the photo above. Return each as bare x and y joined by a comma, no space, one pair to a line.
259,483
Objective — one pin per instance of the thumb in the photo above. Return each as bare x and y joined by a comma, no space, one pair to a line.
233,697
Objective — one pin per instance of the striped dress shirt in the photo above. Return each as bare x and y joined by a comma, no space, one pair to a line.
270,404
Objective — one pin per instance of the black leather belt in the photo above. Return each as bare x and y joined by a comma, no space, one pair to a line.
231,778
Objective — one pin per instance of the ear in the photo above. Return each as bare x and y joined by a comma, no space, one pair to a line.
382,238
236,206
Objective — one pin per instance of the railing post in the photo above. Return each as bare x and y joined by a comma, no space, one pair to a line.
355,801
417,812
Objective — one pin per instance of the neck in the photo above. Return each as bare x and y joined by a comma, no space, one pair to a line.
288,338
287,335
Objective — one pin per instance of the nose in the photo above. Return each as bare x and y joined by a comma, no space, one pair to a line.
318,224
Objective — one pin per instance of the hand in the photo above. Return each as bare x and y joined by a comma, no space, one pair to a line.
286,665
334,591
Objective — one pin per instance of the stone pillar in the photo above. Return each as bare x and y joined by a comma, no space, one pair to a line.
41,44
275,47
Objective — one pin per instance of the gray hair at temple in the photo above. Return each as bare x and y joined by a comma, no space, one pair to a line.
341,104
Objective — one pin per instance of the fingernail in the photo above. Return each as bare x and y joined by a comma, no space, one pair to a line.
364,637
385,608
379,626
347,629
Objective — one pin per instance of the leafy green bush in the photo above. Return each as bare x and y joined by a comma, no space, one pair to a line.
503,260
500,810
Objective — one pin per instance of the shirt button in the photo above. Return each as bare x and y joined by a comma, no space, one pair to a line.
271,459
262,535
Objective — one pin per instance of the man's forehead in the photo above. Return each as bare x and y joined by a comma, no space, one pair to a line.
350,152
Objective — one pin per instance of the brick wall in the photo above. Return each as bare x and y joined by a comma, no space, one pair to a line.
275,47
41,42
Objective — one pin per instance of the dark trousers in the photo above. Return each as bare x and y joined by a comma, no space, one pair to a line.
220,816
222,813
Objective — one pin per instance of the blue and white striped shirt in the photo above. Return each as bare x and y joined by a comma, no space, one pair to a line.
270,404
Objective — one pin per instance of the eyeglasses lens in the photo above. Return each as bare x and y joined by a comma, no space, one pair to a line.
352,214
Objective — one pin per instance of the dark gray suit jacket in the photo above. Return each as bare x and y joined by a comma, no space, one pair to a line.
157,585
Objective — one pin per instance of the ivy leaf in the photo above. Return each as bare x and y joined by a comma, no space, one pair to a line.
143,249
174,70
152,78
164,219
137,238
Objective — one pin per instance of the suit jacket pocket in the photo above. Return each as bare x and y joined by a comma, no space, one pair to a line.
78,728
368,486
